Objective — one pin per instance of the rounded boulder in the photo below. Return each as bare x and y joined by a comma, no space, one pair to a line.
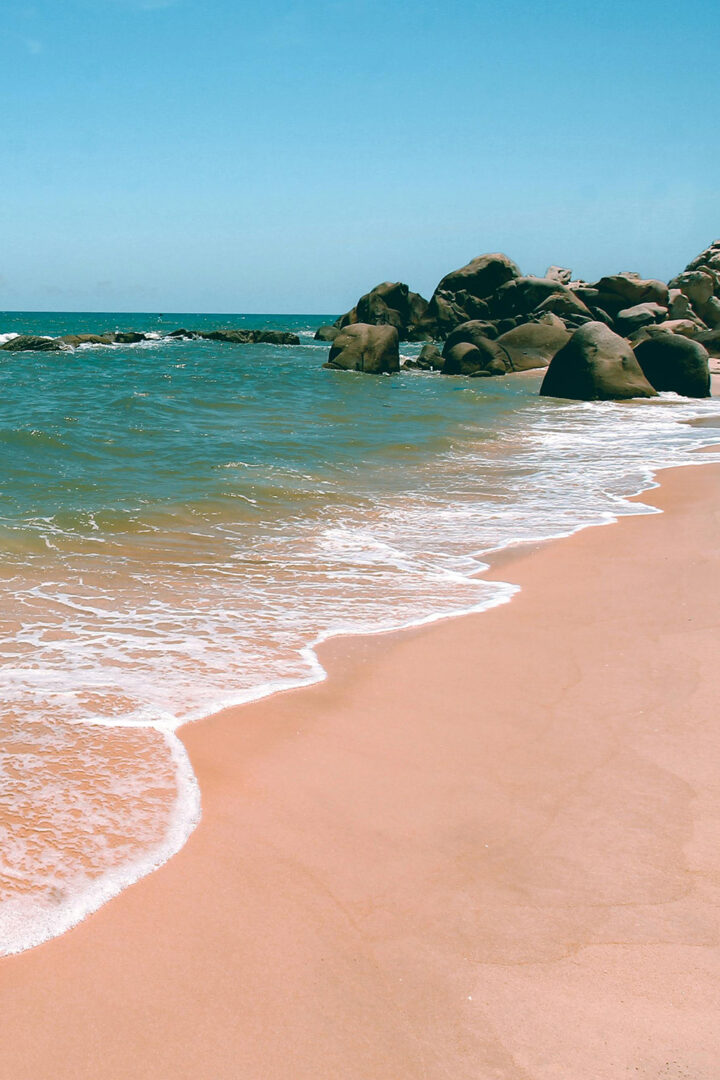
362,347
677,363
596,365
533,345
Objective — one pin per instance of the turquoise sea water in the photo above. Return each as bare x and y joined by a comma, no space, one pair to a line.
180,521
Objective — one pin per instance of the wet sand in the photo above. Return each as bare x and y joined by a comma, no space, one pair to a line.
487,849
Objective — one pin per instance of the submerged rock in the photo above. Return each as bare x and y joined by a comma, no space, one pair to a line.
673,362
596,365
364,347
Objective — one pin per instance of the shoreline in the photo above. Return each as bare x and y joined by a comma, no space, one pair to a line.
234,780
185,821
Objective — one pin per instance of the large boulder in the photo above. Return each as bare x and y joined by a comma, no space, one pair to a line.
391,303
462,294
534,344
673,362
596,365
475,358
618,291
33,343
631,319
368,348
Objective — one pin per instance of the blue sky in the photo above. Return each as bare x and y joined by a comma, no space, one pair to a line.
218,155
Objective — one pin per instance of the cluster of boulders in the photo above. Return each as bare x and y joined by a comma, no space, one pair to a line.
34,343
621,336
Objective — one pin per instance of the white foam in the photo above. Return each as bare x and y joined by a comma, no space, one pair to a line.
27,920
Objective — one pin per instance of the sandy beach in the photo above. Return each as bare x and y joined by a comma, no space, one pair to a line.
486,849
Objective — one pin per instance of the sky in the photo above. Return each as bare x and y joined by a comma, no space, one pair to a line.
232,156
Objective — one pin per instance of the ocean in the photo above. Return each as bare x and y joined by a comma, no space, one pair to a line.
182,521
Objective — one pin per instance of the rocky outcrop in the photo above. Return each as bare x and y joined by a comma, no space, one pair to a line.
250,337
673,362
365,347
32,343
596,365
390,304
494,296
534,344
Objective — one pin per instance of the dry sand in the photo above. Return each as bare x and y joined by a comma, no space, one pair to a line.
489,848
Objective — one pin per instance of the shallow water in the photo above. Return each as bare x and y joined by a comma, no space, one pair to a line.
180,520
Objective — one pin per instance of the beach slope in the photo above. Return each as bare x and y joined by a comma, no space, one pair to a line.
487,849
